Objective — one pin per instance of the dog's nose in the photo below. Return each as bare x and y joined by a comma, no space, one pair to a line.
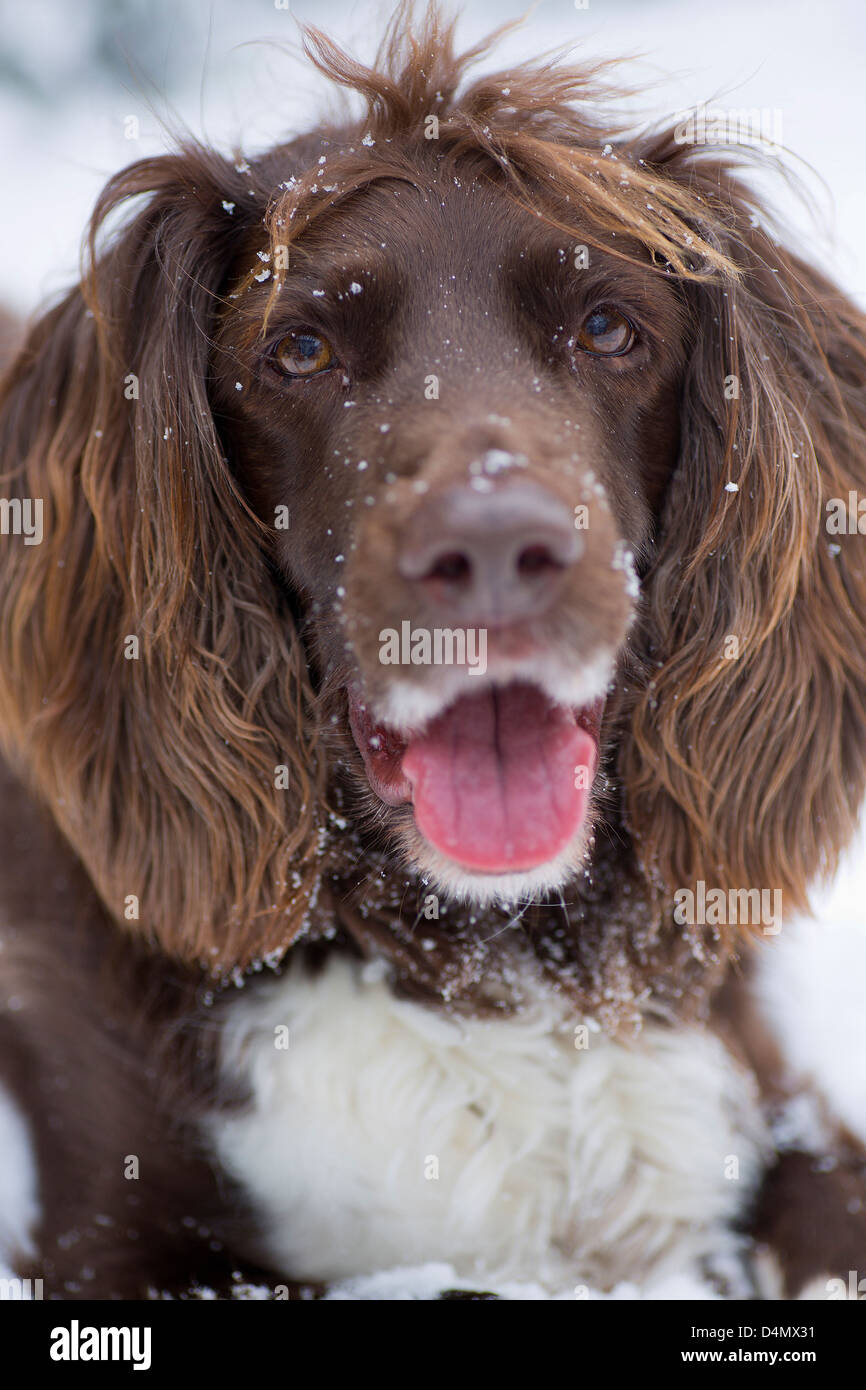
490,557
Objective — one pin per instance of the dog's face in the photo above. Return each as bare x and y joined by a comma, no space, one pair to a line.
461,425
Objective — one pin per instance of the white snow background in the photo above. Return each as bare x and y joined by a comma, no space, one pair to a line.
62,133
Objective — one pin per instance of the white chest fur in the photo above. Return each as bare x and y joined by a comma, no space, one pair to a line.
385,1134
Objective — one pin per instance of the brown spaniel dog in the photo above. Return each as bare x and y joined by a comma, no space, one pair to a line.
418,608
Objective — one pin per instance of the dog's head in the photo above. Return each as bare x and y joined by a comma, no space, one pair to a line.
466,467
464,422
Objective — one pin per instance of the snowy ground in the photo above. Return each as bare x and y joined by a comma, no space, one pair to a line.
56,150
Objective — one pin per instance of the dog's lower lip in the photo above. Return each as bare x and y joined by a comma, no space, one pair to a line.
499,782
382,750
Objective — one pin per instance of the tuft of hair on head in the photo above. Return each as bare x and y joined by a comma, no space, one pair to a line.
549,131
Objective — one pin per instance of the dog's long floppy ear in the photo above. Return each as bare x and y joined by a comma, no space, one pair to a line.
152,688
748,757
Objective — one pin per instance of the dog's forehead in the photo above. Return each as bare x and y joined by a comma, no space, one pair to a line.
429,269
455,219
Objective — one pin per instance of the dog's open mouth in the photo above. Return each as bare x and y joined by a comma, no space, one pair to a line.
499,782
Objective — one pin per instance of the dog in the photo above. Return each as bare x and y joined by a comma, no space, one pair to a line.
427,680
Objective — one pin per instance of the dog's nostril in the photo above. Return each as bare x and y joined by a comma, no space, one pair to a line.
454,567
537,559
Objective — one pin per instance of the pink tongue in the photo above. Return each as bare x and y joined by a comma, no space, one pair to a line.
493,779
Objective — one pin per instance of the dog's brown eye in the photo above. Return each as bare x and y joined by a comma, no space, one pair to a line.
303,353
606,332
